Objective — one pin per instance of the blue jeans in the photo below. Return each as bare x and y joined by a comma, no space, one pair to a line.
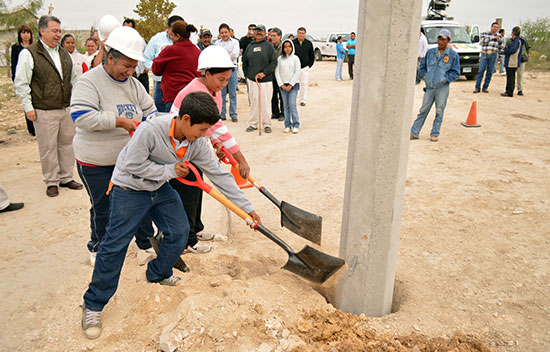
418,63
289,103
158,97
439,96
96,181
339,64
127,209
486,63
231,87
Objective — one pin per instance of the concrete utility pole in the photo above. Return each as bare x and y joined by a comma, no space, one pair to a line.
383,93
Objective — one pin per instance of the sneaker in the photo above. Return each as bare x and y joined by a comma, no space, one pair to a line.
251,128
91,323
199,248
303,103
171,281
223,118
267,129
234,119
434,138
413,137
12,207
476,91
520,92
206,236
286,130
92,258
295,130
282,118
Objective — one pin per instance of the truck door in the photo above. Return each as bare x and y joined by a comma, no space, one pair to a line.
475,34
330,46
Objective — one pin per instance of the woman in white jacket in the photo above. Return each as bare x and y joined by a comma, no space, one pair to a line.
287,74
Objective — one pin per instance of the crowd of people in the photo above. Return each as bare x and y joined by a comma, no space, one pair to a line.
440,66
86,108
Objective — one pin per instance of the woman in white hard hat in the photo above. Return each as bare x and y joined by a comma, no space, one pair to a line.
106,103
216,67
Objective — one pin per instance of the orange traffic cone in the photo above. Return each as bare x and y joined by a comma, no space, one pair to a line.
472,117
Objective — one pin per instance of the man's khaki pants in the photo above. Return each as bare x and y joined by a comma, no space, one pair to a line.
521,69
4,200
264,92
54,134
304,80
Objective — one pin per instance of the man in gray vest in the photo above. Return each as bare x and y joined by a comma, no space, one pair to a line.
43,83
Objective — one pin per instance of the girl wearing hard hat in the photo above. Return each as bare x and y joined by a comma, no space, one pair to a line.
106,103
216,67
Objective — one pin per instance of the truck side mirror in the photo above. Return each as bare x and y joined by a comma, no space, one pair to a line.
476,39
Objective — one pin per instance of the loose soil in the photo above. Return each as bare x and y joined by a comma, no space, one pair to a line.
474,255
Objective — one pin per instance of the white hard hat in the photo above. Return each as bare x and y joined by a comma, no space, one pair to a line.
106,25
214,56
128,41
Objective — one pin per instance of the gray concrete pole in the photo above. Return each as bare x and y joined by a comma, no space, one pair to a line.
383,93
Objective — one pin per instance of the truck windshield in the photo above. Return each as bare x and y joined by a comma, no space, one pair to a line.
458,34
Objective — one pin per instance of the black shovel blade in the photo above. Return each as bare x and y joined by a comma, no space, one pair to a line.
155,243
301,222
313,265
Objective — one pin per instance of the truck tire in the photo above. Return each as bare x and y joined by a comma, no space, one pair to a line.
318,55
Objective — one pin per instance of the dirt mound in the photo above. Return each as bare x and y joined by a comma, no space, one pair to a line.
334,331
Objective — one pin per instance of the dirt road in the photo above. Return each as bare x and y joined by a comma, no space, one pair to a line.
474,254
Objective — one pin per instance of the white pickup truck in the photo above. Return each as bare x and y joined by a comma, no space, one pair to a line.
327,47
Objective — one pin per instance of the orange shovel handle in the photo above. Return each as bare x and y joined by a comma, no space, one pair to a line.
216,194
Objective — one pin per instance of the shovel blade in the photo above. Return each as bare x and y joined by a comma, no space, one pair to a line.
313,265
301,222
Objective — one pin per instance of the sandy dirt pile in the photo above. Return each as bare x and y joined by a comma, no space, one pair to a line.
474,255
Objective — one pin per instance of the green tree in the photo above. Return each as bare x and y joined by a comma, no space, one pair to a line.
25,13
537,33
153,16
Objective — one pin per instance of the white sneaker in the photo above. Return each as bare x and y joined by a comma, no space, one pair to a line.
295,130
286,130
199,248
91,323
92,258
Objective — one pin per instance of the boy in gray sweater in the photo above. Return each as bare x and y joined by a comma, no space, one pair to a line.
154,155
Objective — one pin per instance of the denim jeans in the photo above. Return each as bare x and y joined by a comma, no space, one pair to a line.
289,102
439,96
127,209
157,94
168,106
230,88
96,181
339,64
486,63
418,78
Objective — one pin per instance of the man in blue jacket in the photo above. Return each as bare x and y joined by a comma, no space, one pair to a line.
512,60
439,67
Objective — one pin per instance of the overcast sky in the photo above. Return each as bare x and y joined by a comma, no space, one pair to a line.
319,17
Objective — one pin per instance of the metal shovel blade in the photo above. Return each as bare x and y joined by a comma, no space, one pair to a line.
301,222
155,243
313,265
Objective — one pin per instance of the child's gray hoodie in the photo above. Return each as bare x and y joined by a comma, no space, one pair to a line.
148,160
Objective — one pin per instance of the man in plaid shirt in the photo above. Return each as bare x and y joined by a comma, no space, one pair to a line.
491,42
